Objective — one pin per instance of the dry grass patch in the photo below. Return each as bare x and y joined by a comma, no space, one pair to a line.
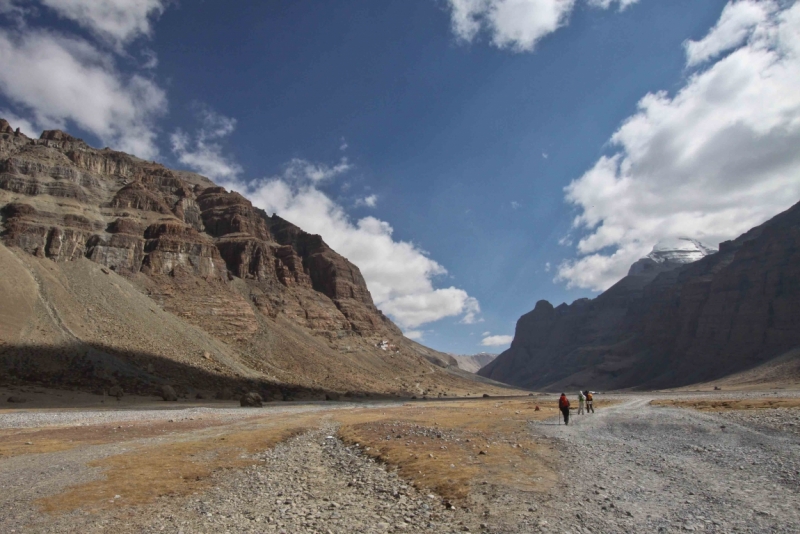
177,467
721,405
15,442
450,447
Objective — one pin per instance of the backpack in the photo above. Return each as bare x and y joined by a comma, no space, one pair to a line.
588,396
563,402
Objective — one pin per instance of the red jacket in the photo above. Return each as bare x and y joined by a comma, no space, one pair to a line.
563,402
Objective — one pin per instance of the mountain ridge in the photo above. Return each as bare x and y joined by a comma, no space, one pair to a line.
696,322
271,301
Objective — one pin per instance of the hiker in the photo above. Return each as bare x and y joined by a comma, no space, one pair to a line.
589,402
563,405
581,400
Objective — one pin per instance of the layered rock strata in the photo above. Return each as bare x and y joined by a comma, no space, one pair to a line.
292,308
722,314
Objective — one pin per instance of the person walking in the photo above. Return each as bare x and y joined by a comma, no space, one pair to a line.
589,402
581,400
563,405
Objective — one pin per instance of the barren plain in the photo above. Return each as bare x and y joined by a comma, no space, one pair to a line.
661,462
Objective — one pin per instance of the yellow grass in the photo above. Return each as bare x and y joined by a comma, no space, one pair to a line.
175,468
452,465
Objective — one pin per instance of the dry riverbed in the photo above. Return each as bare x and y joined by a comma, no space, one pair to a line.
479,465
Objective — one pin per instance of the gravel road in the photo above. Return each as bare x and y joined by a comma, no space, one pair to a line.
639,468
631,467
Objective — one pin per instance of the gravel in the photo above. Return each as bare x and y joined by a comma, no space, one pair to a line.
28,419
631,467
639,468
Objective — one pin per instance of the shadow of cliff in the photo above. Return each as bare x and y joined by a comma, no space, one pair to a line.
96,368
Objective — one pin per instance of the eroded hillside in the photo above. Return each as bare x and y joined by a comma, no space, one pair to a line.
119,269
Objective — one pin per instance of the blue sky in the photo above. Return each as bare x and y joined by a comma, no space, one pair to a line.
471,156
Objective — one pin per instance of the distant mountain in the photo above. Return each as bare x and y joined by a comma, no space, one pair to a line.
683,315
473,362
670,253
115,270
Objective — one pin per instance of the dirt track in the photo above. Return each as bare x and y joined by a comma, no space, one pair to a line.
628,468
639,468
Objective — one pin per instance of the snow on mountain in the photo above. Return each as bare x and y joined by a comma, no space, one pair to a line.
670,253
680,250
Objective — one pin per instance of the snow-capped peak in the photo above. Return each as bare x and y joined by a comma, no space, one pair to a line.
669,254
680,250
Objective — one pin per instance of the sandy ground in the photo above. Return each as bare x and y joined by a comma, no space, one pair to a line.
630,467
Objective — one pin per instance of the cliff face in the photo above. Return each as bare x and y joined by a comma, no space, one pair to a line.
291,308
658,327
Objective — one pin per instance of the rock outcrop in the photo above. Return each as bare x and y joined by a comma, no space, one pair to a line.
286,307
669,325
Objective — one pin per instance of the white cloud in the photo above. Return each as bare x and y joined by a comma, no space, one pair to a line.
203,153
496,341
515,24
547,267
56,79
24,125
343,145
399,275
117,21
301,171
710,162
416,335
515,205
369,201
471,310
150,58
735,25
487,333
605,4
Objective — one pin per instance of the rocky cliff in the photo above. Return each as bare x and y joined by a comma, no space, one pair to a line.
669,323
266,299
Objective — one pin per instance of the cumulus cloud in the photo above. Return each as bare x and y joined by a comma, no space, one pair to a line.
606,4
736,24
369,201
496,341
55,79
203,152
416,335
24,125
299,170
515,24
399,275
116,21
710,162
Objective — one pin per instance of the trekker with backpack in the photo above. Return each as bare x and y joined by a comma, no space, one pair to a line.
581,400
589,402
563,405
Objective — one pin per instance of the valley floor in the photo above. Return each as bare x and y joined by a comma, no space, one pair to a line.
481,465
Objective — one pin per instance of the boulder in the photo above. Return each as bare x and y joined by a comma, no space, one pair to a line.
168,393
251,400
16,399
116,391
